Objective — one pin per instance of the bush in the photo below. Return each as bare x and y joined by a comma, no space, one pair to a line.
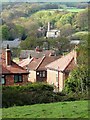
27,94
35,93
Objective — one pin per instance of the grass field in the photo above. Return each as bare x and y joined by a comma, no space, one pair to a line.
75,109
68,9
75,10
79,34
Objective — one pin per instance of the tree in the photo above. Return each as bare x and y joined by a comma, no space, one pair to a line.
60,44
59,24
67,18
28,43
78,79
81,20
66,30
5,32
20,31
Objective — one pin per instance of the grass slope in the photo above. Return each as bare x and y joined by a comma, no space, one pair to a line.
69,9
75,109
78,34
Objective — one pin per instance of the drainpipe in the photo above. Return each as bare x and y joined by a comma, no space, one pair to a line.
58,79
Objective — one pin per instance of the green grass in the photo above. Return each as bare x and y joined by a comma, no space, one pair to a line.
79,34
75,10
74,109
68,9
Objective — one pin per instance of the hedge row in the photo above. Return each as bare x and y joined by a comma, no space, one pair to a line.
33,94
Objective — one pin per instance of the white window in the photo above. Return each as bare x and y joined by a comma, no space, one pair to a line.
44,74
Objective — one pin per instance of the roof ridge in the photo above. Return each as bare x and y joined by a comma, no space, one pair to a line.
70,53
40,62
18,65
68,63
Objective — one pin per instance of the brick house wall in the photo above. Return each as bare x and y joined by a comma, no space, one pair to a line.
9,79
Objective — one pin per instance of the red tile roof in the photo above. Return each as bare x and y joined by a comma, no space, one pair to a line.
46,60
11,69
34,63
25,62
62,63
40,63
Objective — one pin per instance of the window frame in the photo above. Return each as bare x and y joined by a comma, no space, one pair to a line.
3,76
19,80
42,74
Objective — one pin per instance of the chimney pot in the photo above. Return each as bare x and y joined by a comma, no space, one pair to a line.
8,56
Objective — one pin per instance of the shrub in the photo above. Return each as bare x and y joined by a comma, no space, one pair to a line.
27,94
35,93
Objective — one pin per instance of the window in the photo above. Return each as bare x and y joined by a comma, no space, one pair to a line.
42,74
17,78
3,80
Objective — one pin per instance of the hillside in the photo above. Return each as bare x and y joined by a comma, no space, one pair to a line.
22,20
73,109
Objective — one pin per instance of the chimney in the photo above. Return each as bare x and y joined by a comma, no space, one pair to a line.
48,26
8,56
75,54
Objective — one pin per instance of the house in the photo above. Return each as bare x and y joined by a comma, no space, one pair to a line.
36,68
35,53
12,73
54,33
59,70
12,44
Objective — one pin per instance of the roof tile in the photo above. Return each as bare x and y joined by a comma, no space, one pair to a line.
13,68
61,63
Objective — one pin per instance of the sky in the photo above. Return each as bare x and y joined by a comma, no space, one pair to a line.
44,0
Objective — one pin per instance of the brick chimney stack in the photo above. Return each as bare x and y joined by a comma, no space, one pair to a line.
8,56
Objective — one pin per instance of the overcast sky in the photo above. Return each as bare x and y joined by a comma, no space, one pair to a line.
44,0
